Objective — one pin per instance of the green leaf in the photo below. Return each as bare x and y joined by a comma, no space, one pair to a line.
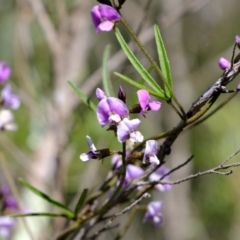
107,85
164,62
83,97
43,214
59,205
81,200
138,66
140,86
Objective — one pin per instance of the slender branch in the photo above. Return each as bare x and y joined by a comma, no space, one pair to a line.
145,195
176,168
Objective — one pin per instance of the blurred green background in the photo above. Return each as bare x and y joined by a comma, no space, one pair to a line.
47,47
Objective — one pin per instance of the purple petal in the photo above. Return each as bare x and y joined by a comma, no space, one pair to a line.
109,106
133,172
154,105
96,17
100,94
5,72
132,124
151,148
223,63
238,39
109,13
103,111
143,98
10,100
155,207
122,132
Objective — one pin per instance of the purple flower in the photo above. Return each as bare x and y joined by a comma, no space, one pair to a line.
104,17
10,202
157,175
132,172
6,121
154,213
150,152
5,71
126,129
224,63
100,94
116,161
92,154
6,225
111,110
145,102
10,100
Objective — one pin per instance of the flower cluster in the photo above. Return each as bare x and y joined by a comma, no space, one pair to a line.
8,100
8,206
115,114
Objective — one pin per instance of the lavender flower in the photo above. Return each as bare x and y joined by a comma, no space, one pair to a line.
9,100
224,63
154,213
104,17
111,110
150,152
126,129
94,153
6,225
157,175
132,172
5,72
145,102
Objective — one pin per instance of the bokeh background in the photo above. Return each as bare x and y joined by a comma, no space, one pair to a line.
48,43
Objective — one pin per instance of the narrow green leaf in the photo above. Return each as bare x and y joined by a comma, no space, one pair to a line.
138,66
81,200
83,97
164,62
48,199
140,86
43,214
107,85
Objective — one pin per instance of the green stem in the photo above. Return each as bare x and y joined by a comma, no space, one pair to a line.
151,60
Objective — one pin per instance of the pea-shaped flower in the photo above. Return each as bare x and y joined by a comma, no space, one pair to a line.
154,214
5,71
104,17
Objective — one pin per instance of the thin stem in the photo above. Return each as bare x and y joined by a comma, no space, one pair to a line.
151,60
119,187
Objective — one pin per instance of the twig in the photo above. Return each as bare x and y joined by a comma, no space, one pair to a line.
176,168
145,195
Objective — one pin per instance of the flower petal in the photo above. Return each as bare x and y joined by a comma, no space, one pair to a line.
143,98
109,13
154,105
105,26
